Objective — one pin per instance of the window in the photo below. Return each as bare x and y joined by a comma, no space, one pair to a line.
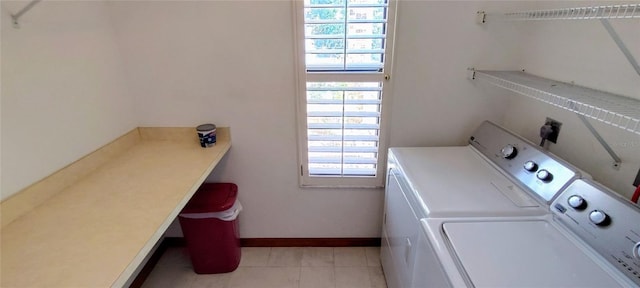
344,61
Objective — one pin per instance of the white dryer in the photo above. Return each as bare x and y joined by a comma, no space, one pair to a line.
499,174
591,239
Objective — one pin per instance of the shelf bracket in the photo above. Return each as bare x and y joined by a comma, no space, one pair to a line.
617,161
15,17
623,48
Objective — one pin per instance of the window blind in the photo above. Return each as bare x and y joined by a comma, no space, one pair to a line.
343,38
343,124
345,35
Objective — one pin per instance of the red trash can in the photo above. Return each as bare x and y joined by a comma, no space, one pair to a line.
209,223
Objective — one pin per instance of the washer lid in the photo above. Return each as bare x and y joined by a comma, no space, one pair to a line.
523,254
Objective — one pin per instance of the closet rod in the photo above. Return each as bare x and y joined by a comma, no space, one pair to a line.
16,16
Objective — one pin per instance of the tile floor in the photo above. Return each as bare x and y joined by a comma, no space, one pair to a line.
278,267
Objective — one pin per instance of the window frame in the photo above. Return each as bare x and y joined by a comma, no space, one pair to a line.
305,180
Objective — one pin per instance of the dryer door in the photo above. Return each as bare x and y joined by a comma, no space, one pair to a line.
400,234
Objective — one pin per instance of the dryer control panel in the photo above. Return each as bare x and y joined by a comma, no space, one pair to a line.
537,170
607,222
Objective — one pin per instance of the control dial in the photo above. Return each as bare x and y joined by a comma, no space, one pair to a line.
530,166
509,152
636,250
577,202
544,175
599,218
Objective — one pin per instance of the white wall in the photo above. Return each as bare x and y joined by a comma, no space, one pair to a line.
434,103
63,90
583,52
231,63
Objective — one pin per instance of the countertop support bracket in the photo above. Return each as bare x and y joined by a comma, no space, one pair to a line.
15,17
623,48
616,160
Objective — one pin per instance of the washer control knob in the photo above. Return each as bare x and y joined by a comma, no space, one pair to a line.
599,218
636,250
509,152
577,202
544,175
530,166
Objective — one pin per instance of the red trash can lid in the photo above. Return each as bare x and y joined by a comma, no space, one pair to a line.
212,197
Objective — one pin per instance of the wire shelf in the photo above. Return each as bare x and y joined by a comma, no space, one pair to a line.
615,110
630,11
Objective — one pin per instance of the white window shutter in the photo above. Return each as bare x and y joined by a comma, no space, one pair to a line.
344,50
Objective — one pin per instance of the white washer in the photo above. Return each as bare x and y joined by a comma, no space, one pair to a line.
566,249
497,174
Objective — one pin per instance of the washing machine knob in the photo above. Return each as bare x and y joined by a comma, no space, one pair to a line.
530,166
599,218
509,151
544,175
636,250
577,202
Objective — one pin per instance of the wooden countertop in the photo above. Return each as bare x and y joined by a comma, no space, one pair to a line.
98,230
